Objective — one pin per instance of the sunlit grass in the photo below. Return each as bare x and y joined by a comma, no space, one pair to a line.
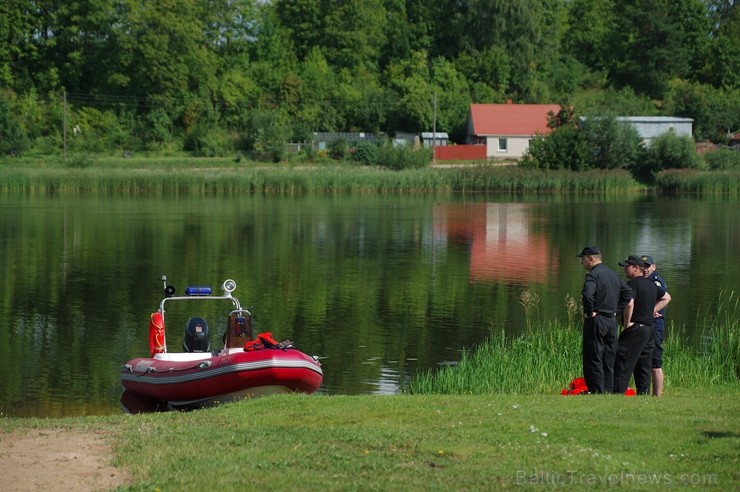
544,358
144,174
121,177
423,442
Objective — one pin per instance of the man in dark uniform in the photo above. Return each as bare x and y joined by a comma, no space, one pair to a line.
651,274
637,340
604,294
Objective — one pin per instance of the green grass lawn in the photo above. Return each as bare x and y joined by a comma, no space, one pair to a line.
687,439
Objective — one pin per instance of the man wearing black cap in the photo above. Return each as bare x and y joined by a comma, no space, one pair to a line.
604,294
637,340
658,325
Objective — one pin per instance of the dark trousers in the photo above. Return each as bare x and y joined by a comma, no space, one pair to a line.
599,351
634,356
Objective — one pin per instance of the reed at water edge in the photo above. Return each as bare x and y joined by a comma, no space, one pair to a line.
545,358
169,178
720,182
184,174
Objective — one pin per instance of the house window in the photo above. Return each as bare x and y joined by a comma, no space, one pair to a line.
502,145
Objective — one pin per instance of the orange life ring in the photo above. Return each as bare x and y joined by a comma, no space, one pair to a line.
156,334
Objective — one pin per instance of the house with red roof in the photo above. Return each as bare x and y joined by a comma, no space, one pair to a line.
506,129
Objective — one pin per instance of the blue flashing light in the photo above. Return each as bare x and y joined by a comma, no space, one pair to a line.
197,290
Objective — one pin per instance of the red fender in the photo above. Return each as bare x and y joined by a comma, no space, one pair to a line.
156,334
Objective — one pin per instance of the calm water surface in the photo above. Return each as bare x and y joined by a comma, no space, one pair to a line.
380,287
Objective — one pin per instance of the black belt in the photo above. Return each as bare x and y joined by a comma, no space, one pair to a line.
607,315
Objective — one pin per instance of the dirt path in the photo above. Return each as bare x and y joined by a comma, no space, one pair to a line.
59,460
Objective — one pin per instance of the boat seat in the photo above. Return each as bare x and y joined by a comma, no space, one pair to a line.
183,356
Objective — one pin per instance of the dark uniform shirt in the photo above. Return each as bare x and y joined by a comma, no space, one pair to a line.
658,281
646,294
604,291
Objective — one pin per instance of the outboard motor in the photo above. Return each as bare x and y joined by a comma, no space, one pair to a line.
196,336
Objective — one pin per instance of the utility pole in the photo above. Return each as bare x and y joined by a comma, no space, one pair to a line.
434,131
64,125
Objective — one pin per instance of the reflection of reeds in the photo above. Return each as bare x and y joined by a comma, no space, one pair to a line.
545,359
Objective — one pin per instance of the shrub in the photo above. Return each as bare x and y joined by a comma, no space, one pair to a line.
403,157
267,133
611,144
723,159
366,153
667,151
207,141
98,131
12,137
339,149
563,148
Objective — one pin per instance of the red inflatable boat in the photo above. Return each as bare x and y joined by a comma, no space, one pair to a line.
246,366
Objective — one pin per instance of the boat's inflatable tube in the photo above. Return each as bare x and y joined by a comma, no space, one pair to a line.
156,334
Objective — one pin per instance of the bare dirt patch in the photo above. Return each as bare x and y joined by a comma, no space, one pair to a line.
59,460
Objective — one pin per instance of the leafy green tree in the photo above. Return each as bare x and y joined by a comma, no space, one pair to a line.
304,20
722,67
624,102
410,81
318,83
491,67
453,98
524,29
268,132
14,42
590,25
354,34
611,143
162,53
716,112
397,33
656,41
12,137
272,54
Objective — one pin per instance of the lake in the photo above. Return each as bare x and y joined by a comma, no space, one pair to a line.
379,286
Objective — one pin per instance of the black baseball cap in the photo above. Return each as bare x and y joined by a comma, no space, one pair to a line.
632,260
648,260
589,251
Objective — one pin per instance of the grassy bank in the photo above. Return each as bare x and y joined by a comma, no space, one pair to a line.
201,176
543,358
720,182
496,421
475,442
227,175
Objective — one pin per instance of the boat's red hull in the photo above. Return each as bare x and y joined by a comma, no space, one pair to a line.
221,378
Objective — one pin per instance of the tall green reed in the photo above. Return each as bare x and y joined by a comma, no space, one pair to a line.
720,182
87,176
545,357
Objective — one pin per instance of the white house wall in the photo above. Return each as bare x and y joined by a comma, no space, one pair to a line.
516,147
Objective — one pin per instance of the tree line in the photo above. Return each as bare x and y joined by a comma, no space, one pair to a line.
215,77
